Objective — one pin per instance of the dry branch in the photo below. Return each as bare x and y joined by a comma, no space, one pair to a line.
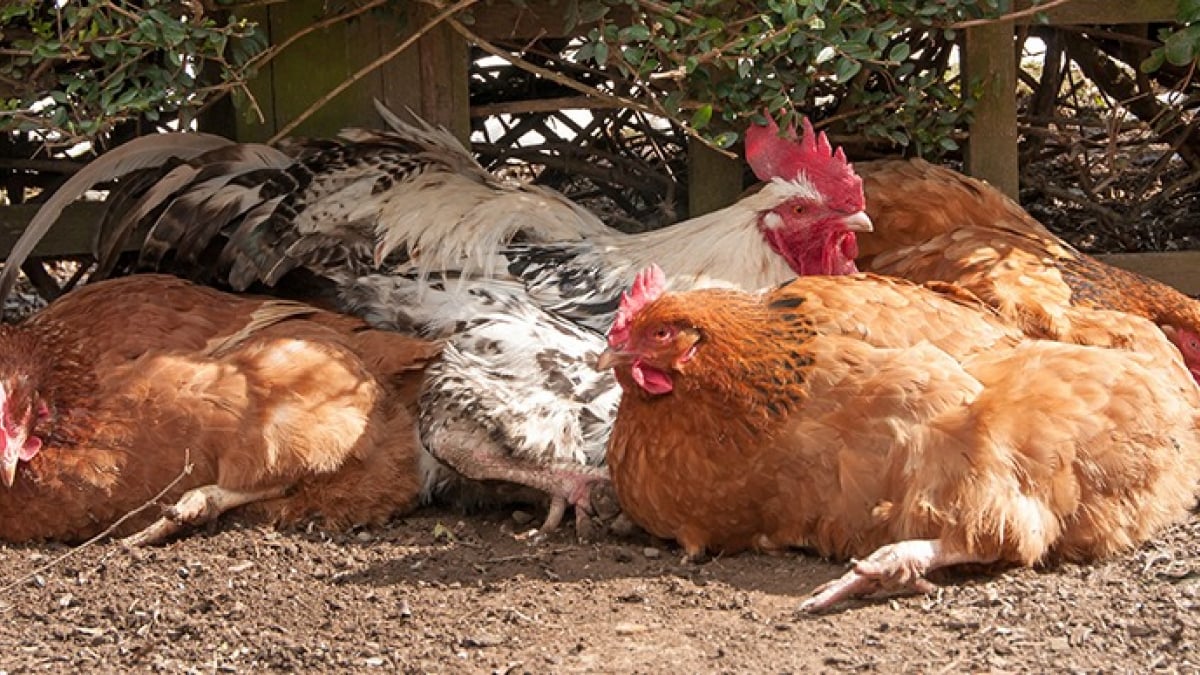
186,471
1113,81
371,67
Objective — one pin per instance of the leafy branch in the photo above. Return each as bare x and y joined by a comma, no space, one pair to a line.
875,64
70,72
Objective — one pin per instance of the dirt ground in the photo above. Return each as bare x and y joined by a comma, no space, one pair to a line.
442,592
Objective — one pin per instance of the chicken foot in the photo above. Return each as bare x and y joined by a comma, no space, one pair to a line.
591,495
196,507
566,485
896,569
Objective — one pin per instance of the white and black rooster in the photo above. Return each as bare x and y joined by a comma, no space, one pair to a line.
401,224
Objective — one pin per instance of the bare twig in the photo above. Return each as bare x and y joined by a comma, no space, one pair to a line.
543,105
187,469
623,102
1108,215
444,15
1029,11
267,55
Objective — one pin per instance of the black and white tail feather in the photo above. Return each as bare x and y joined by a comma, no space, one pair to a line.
413,192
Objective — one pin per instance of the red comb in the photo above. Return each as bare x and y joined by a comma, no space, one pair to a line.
647,286
774,156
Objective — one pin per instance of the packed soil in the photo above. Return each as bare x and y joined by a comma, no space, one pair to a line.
443,592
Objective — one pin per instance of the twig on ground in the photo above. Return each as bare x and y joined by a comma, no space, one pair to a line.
539,553
187,469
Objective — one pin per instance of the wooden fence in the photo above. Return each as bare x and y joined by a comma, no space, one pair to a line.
990,54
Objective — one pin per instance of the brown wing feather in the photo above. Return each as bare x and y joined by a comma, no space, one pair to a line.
932,223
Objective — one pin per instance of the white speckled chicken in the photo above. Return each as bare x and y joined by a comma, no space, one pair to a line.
514,397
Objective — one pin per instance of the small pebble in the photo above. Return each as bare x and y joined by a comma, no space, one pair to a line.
629,629
522,517
482,640
652,553
622,526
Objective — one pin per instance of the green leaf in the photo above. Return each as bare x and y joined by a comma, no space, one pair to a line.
591,12
1182,46
846,69
443,533
899,52
702,116
1189,11
672,101
1154,61
725,139
635,33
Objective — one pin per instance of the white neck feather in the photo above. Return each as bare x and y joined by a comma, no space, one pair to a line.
447,218
724,248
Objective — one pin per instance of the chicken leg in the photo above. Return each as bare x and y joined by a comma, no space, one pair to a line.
466,448
895,568
196,507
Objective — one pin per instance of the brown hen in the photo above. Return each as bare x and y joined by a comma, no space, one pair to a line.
110,392
932,223
863,416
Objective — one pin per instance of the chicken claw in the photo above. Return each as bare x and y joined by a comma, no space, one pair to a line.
895,569
590,494
197,507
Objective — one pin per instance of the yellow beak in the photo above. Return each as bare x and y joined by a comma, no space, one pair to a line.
610,358
858,222
8,468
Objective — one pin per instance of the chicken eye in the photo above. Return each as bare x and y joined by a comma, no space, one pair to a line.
799,209
663,334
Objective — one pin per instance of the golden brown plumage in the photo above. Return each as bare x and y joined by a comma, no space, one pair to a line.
932,223
785,419
298,412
